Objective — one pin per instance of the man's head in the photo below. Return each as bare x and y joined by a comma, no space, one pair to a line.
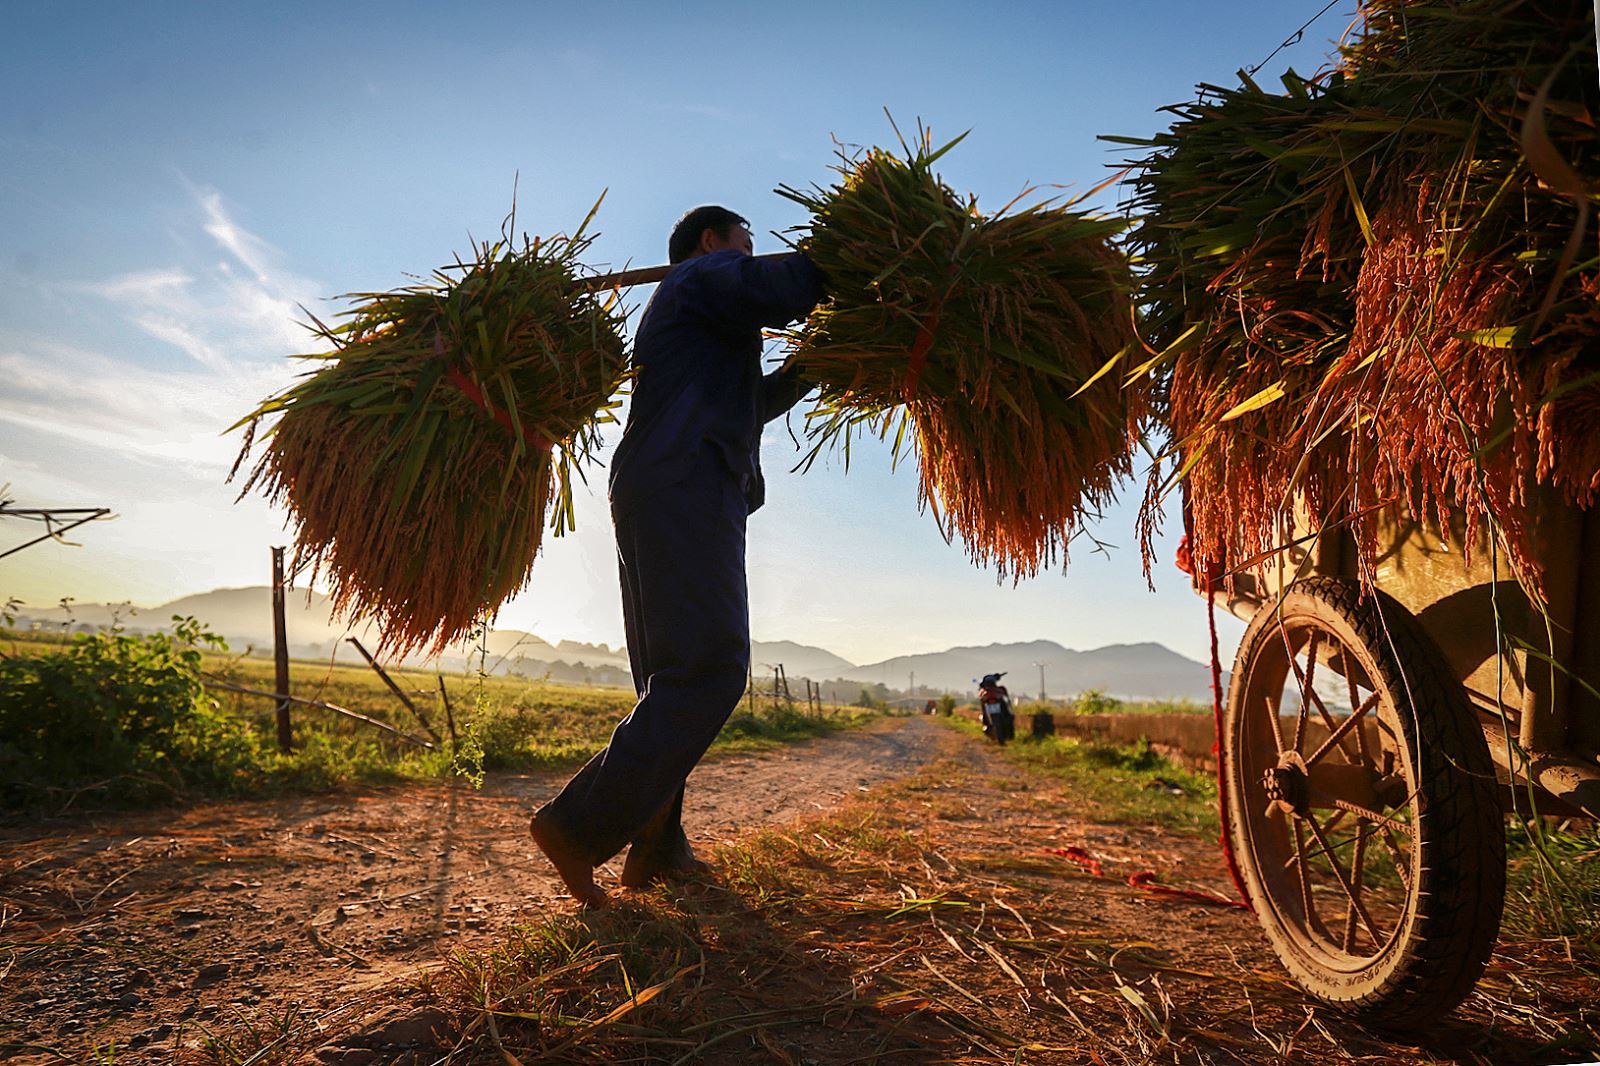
708,229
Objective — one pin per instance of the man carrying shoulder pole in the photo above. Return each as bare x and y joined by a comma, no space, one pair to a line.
683,481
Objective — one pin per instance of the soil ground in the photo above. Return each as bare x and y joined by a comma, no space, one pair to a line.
888,894
122,926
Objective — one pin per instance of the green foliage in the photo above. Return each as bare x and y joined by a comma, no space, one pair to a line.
1137,756
1553,884
947,705
874,696
1094,701
117,714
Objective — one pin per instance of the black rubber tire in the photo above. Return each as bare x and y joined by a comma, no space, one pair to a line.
1456,895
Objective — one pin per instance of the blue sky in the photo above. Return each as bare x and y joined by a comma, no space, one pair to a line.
176,178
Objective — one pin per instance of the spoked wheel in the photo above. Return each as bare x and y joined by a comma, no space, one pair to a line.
1361,804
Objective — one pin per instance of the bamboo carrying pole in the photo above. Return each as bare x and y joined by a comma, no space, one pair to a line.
622,279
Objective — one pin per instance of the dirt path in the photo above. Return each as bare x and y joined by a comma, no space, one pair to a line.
127,927
902,892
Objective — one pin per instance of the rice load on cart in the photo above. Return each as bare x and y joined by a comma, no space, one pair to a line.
1375,301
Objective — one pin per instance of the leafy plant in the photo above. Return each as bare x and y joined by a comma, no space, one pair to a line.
1095,701
119,714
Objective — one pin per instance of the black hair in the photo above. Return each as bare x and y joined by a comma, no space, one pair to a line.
686,234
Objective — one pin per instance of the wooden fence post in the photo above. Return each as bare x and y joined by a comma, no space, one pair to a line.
449,716
280,652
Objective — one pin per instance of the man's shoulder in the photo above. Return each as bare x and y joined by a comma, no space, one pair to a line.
686,287
691,269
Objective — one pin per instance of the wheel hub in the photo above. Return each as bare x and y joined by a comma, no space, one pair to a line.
1287,785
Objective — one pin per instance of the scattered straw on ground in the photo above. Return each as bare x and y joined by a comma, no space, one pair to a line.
933,922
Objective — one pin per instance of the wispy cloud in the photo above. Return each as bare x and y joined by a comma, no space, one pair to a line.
232,312
243,245
223,312
162,417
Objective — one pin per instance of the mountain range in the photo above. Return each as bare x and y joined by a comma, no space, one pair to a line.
244,617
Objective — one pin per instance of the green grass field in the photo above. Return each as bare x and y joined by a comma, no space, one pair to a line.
1117,782
501,723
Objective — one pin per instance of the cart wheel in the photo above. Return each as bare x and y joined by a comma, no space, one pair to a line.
1366,824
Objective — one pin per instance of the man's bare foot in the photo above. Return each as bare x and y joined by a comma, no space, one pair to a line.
576,871
647,863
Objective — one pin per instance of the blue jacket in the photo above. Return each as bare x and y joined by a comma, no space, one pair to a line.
698,355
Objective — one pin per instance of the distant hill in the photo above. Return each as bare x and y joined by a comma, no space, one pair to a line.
244,616
799,660
1128,671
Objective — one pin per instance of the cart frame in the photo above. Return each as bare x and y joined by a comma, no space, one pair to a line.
1539,708
1435,644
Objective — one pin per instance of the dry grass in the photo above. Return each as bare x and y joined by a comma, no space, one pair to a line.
928,923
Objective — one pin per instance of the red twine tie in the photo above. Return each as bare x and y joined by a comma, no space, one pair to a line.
471,391
919,350
1081,857
918,357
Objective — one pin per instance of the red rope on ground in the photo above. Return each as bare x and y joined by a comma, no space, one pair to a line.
1145,880
1081,857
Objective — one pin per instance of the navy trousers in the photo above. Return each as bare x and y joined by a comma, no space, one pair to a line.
686,611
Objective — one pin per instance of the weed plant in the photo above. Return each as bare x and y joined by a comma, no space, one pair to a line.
1553,887
114,710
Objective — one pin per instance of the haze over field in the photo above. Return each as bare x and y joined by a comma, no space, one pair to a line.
244,617
178,182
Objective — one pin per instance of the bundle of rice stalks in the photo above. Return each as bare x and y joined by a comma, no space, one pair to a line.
421,461
987,343
1367,288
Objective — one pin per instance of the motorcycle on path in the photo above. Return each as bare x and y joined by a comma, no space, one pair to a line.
999,724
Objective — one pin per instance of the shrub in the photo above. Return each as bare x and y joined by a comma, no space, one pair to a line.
1094,701
119,714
